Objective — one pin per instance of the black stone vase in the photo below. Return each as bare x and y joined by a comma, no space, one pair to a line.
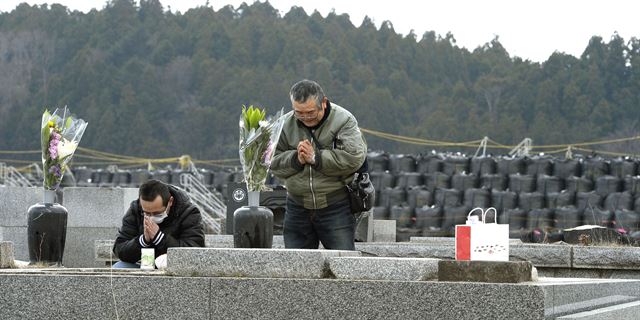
47,231
253,224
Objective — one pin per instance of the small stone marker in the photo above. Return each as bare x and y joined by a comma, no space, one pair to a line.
6,254
384,231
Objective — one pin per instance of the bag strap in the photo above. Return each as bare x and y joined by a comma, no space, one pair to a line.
474,209
495,215
364,168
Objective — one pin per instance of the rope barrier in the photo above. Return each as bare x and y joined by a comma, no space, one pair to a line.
492,143
117,159
20,151
619,154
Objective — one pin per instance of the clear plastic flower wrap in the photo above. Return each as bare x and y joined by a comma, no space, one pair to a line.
258,140
60,136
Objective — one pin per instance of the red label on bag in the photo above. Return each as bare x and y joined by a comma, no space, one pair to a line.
463,242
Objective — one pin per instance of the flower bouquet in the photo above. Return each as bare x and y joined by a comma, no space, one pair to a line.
60,136
258,139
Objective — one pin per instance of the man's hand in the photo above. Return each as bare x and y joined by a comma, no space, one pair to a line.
150,229
306,154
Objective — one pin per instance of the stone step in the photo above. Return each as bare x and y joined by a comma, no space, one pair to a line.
582,306
371,268
252,263
628,310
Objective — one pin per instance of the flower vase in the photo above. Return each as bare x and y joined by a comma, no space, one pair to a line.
47,231
253,224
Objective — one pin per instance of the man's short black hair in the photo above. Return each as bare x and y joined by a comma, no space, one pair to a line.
307,89
151,189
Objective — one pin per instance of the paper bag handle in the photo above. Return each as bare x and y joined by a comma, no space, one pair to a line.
484,215
474,209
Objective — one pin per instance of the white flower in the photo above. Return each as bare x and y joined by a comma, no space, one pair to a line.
263,123
66,148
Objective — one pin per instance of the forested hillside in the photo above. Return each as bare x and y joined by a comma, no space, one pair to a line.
155,83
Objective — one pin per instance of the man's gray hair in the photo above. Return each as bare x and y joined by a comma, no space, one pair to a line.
305,90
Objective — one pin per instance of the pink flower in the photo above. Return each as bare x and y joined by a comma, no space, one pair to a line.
53,145
53,151
266,159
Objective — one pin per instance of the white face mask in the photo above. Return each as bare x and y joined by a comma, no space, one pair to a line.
158,218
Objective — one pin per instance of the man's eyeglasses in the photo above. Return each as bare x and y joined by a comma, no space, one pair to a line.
309,115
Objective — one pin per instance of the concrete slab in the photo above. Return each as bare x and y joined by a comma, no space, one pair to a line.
369,299
41,296
485,271
87,294
97,207
621,257
406,250
371,268
542,255
259,263
80,248
15,203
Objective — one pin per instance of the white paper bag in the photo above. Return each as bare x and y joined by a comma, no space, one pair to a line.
479,240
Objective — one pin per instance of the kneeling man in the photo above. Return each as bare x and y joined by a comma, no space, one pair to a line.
162,217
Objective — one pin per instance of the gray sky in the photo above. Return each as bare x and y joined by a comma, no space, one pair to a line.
531,29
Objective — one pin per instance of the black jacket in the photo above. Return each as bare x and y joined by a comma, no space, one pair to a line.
182,228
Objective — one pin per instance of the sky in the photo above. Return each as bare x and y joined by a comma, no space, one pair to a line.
530,29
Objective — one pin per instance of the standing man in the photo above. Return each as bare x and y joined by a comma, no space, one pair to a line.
320,148
162,217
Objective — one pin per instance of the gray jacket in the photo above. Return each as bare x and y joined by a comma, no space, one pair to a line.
340,150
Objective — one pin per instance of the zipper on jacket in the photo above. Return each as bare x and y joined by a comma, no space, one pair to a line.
313,194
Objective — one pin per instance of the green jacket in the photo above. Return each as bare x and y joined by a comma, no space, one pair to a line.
340,150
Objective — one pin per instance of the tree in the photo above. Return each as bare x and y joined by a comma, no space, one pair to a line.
155,83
